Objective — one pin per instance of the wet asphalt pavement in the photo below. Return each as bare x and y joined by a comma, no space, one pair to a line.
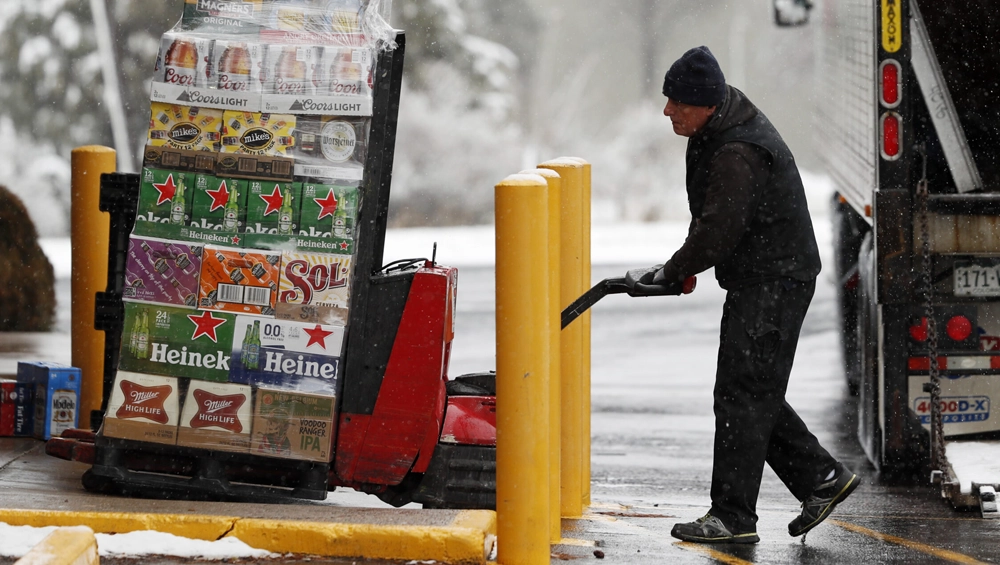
652,429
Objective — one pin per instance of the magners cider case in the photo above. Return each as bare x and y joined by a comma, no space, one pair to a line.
163,340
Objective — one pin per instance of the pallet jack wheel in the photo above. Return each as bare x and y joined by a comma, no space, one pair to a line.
93,482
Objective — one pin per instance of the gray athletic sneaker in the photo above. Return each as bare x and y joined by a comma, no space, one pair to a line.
823,500
709,529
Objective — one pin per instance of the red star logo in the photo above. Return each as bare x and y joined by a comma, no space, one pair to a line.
219,197
327,205
236,240
205,324
318,336
144,402
343,245
273,200
167,189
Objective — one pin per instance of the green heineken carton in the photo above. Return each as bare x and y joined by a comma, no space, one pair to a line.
162,340
218,209
327,217
272,214
164,203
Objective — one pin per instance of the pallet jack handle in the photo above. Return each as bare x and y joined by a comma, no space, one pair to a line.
629,284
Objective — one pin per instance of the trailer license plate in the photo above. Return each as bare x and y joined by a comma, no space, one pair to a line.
977,280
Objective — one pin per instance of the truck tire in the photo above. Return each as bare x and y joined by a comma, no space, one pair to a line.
460,476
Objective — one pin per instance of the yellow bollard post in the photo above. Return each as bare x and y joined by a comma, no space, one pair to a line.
570,362
522,326
585,330
555,315
89,232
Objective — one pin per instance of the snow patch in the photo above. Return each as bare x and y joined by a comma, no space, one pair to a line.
974,461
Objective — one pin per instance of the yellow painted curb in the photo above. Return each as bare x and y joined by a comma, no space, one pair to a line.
468,539
194,526
64,546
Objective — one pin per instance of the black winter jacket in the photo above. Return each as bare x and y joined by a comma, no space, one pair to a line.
748,207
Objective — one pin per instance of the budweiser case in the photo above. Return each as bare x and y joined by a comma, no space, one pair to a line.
162,271
293,425
272,214
286,355
241,281
143,408
17,408
315,280
163,340
191,128
216,416
57,396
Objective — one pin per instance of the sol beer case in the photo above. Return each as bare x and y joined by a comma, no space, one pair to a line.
286,355
241,281
143,408
57,396
293,425
216,416
315,279
163,340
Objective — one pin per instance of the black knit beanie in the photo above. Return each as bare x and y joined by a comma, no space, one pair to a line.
696,79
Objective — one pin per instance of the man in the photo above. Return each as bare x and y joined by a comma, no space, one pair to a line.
750,222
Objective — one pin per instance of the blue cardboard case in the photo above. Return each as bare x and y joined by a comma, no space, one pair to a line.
57,396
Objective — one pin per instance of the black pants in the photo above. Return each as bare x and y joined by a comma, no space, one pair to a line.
753,422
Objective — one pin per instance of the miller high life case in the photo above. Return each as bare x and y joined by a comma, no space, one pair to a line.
216,416
286,355
241,281
57,396
164,203
253,133
162,340
293,425
143,408
315,280
272,214
162,271
184,127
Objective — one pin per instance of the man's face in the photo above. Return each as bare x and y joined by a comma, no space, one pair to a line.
687,119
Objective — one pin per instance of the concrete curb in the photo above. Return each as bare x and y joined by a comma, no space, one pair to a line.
64,546
468,539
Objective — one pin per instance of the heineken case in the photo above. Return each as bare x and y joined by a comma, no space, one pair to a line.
143,408
286,355
162,272
218,207
163,340
164,204
241,281
318,280
328,212
293,425
216,416
272,214
184,127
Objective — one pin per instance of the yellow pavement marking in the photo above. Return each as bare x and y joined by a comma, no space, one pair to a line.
64,546
712,554
945,554
576,542
467,539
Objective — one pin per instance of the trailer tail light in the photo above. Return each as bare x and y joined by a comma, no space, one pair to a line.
892,134
958,328
891,85
918,330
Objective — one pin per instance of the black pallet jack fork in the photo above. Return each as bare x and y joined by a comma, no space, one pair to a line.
629,284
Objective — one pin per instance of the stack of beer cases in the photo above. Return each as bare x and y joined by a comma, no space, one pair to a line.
239,266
